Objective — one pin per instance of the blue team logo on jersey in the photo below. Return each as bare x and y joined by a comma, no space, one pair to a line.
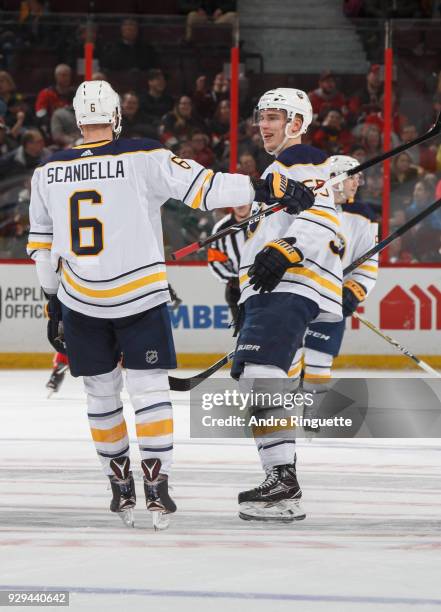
338,245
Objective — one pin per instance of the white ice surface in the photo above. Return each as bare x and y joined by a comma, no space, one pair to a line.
371,540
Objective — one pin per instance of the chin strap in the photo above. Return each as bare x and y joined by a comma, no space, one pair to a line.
288,136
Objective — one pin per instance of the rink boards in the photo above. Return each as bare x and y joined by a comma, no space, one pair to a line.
406,304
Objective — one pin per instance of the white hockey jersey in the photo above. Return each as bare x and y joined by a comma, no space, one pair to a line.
319,278
95,216
358,234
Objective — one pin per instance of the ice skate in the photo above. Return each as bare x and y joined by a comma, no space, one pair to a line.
157,499
56,379
123,490
276,499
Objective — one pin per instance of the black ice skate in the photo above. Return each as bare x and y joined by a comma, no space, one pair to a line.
157,499
123,490
56,379
276,499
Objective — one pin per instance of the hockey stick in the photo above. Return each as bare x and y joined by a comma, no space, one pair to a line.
186,384
422,364
195,246
399,232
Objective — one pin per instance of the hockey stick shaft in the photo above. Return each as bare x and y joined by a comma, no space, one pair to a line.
186,384
419,362
195,246
396,234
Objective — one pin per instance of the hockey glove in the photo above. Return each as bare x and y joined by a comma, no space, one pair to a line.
353,294
54,325
272,262
277,187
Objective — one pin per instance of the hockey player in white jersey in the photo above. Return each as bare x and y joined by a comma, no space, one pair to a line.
96,238
358,233
290,274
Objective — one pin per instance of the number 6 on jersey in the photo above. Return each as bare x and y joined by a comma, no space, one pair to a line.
77,224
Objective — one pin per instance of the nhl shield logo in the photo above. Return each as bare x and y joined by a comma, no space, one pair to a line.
151,357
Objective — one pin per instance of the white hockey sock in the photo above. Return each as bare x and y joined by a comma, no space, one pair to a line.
106,419
273,449
317,370
150,396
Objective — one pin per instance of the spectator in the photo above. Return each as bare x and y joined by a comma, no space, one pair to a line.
180,123
156,102
404,176
134,122
219,127
424,238
74,53
35,27
203,153
14,101
368,100
64,129
206,99
185,150
332,136
26,157
422,197
247,165
7,142
199,12
129,53
359,152
423,156
55,96
371,140
372,193
327,96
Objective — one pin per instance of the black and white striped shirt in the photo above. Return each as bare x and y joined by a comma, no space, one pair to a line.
224,254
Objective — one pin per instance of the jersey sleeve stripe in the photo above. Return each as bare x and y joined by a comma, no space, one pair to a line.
324,215
373,269
39,245
198,197
122,290
192,184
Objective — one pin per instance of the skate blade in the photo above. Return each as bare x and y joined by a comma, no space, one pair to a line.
127,517
50,393
281,512
161,520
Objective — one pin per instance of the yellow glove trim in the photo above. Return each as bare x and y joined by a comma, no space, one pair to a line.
280,183
356,289
292,254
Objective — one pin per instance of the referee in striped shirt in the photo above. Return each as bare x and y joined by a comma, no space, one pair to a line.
224,256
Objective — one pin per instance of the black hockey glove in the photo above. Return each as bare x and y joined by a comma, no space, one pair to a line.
54,325
277,187
353,294
272,262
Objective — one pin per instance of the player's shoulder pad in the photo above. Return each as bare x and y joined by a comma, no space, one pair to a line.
302,154
359,208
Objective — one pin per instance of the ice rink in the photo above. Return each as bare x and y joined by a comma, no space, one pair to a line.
371,540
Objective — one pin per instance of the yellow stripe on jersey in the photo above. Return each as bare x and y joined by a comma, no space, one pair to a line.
243,279
39,245
157,428
126,288
320,280
92,145
373,269
295,370
114,434
197,200
324,214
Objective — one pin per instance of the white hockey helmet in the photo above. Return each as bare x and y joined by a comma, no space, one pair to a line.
343,163
97,103
293,102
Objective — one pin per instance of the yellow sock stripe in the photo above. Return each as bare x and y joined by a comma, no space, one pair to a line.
318,377
262,431
157,428
295,369
39,245
197,200
114,434
324,215
320,280
103,293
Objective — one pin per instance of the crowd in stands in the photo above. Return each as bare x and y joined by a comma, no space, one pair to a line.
195,124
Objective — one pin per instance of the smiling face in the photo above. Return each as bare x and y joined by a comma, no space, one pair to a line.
272,125
350,186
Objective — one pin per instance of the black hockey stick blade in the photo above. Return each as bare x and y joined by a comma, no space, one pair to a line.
187,384
399,232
